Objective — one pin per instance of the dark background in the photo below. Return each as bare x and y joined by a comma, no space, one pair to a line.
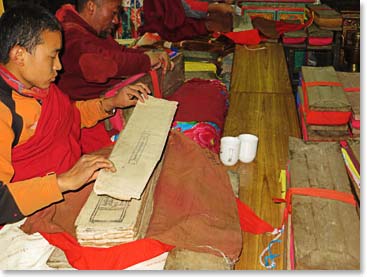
51,5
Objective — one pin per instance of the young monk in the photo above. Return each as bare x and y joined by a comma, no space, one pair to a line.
40,155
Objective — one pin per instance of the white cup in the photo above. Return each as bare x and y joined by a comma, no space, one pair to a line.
229,150
248,147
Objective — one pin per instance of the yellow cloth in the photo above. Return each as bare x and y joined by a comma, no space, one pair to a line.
1,7
355,174
200,66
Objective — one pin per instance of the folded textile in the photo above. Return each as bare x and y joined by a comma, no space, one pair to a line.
206,134
193,98
325,221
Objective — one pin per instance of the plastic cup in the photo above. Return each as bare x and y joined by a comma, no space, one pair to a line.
248,147
229,150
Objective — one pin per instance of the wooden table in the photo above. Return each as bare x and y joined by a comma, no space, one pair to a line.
262,103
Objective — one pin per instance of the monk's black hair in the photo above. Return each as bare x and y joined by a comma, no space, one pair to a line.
23,25
80,4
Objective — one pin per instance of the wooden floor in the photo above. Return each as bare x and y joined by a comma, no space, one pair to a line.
262,103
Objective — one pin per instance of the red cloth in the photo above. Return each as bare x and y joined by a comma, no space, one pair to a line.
168,19
93,64
198,5
116,257
250,222
201,100
54,147
94,138
249,37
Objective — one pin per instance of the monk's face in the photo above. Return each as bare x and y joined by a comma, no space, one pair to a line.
105,16
39,68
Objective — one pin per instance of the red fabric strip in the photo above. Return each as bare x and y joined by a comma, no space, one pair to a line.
327,117
323,83
352,89
281,27
156,89
323,193
316,192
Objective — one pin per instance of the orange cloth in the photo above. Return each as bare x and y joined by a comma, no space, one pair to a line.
43,188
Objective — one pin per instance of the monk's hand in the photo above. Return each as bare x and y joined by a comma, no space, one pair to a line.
126,97
160,59
85,170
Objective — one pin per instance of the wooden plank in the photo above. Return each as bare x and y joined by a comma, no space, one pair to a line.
273,118
262,69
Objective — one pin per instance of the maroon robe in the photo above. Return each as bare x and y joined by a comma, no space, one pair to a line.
168,19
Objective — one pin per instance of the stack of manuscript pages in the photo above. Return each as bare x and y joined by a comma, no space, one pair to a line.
105,221
326,17
351,85
323,224
350,150
118,211
324,110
